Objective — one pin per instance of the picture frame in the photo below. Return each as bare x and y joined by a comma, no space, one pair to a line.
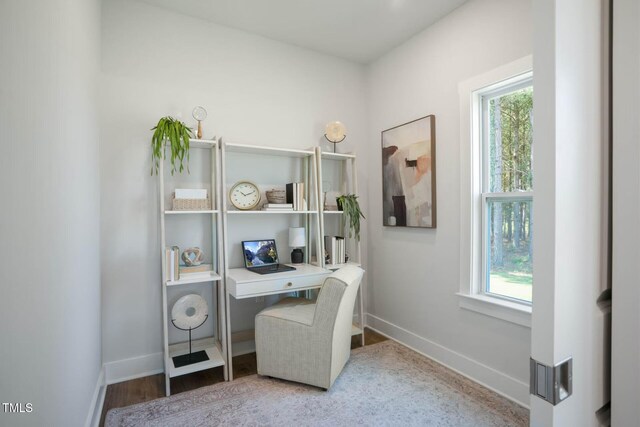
409,174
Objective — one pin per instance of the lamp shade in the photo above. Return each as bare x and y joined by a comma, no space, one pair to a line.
297,238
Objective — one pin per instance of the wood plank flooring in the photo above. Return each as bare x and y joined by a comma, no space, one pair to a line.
152,387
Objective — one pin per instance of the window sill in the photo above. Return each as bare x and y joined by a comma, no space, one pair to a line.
506,310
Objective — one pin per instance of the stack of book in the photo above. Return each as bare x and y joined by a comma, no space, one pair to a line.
295,196
195,271
277,207
175,271
336,250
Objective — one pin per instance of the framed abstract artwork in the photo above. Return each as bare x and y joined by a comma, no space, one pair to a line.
409,174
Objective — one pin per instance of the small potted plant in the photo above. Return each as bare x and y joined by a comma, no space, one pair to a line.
350,207
177,134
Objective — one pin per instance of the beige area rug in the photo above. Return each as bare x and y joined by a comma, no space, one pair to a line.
384,384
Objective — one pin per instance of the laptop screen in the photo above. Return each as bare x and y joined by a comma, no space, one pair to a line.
259,252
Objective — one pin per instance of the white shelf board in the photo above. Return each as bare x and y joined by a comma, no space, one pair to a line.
202,143
337,156
254,212
333,212
215,359
273,151
355,329
215,211
338,266
186,279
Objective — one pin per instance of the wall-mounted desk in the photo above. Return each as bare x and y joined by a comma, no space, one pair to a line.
242,283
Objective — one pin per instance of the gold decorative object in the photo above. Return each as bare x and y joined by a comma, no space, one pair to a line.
335,132
199,113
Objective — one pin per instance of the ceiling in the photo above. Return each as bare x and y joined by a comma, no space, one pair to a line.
358,30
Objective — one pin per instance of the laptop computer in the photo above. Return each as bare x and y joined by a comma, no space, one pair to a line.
261,256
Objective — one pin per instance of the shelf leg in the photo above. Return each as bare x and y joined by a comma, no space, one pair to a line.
167,384
229,344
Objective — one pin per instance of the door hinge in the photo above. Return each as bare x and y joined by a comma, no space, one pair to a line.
551,383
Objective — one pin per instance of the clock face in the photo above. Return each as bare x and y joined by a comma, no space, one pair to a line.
244,195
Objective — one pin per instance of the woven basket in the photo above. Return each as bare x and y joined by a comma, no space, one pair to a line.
191,204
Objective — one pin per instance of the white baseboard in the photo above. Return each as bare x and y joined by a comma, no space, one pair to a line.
151,364
136,367
509,387
97,401
244,347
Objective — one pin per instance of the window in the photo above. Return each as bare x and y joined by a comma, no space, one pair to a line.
496,188
506,188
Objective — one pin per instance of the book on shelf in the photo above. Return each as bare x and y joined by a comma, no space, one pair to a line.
336,249
196,270
168,260
172,262
295,195
278,205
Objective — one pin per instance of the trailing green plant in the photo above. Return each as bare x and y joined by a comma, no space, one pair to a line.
351,208
177,134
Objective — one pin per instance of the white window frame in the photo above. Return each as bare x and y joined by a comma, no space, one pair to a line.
514,196
473,206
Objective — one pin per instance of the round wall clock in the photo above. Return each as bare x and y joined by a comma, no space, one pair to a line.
244,195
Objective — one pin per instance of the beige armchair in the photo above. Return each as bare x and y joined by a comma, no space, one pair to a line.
309,342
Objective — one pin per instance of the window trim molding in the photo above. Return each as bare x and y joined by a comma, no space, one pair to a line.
470,293
500,308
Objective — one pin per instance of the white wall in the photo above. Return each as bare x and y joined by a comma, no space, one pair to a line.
414,273
570,203
256,91
625,381
49,222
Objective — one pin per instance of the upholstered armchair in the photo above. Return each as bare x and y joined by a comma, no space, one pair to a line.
309,342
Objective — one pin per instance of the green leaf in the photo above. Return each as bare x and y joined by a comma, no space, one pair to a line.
174,134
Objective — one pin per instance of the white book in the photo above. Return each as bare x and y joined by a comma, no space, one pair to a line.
197,275
171,266
175,252
334,250
191,193
168,257
278,205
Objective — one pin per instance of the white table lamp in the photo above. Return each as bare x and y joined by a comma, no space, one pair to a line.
297,240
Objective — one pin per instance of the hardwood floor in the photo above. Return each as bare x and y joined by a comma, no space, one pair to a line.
152,387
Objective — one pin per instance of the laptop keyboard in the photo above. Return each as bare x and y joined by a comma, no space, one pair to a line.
271,268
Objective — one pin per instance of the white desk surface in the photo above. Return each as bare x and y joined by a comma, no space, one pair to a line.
242,275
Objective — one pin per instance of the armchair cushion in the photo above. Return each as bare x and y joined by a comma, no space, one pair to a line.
300,310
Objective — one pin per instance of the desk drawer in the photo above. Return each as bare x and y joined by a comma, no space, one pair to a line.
276,286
